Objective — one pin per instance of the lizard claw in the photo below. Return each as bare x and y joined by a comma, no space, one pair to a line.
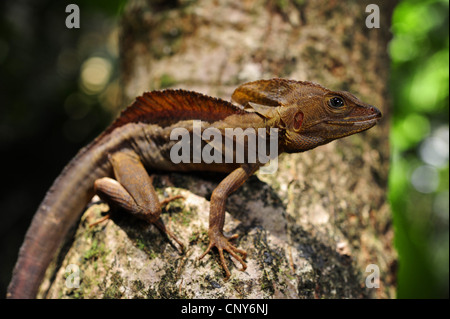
222,243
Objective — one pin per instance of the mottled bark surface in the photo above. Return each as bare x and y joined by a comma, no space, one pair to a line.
310,230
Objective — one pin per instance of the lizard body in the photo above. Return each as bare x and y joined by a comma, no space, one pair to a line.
115,164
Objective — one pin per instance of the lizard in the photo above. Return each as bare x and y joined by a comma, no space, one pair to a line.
117,163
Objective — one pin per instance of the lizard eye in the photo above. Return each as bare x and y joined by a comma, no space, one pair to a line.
336,102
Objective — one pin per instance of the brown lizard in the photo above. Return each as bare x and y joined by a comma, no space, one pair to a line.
115,164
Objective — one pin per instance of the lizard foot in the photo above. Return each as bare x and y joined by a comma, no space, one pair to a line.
222,243
159,224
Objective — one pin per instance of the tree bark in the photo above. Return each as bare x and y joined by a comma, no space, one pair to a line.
312,229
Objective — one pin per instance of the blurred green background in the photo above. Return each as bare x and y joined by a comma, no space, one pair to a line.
43,63
418,181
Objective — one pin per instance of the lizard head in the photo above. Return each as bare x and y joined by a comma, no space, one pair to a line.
321,118
309,114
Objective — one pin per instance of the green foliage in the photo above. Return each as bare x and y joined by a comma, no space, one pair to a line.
419,139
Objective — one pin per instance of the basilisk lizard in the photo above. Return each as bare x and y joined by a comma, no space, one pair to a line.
115,164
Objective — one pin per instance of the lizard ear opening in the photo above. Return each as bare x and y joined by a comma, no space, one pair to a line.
298,120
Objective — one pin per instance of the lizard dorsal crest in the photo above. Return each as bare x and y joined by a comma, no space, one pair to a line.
170,106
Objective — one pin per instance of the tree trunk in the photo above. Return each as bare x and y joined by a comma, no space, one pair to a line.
312,229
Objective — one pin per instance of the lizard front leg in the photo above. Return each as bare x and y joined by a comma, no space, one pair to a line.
133,190
217,216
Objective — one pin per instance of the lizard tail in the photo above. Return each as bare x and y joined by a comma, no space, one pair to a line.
58,212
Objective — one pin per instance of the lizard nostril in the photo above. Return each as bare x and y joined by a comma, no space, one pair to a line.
376,111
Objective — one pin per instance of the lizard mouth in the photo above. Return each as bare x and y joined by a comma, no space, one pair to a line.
361,121
367,120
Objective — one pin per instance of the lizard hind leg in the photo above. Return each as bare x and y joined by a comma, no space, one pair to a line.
132,190
114,193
